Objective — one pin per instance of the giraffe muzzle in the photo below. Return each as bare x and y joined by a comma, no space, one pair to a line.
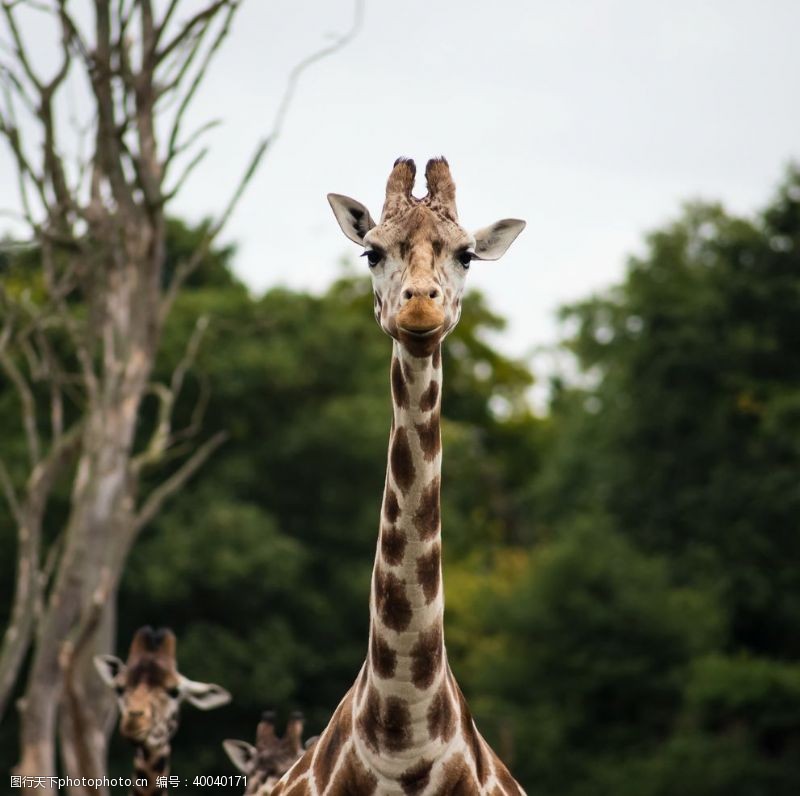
420,317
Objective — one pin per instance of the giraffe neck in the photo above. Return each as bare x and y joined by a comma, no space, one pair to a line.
405,726
150,763
405,668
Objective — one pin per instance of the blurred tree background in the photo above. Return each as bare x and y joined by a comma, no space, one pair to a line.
622,571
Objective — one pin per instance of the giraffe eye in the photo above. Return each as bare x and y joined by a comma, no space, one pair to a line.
120,690
374,256
174,692
465,258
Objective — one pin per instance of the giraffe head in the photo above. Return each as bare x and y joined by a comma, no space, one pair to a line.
266,762
150,689
418,254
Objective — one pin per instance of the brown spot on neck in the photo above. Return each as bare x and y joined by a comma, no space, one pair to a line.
401,462
429,572
415,779
426,517
328,748
300,768
441,714
385,727
391,600
399,387
429,398
426,656
429,439
369,719
393,545
383,657
391,508
458,780
353,778
396,725
301,788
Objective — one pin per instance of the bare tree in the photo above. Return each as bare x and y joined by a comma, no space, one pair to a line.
80,352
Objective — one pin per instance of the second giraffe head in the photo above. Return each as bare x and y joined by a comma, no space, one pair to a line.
150,689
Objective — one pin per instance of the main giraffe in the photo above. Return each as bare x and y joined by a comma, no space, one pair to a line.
404,727
150,690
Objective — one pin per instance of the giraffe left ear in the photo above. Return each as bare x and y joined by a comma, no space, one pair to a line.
353,217
108,667
492,242
205,696
242,754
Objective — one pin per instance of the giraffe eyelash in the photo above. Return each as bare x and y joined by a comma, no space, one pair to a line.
465,258
374,256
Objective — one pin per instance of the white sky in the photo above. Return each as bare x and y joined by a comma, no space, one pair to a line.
592,120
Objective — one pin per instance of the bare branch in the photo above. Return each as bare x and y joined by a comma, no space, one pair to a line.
185,268
20,50
187,172
10,493
190,355
173,146
9,128
197,134
176,481
162,437
305,63
200,18
196,420
173,4
27,402
30,581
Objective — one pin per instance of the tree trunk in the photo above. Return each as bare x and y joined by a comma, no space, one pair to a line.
102,515
29,585
101,236
87,710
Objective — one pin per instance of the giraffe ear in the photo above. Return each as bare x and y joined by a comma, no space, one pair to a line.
205,696
108,667
242,754
353,217
492,242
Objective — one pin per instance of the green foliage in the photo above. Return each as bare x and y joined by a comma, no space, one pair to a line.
692,422
594,645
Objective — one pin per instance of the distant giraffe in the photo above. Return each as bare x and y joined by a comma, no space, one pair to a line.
150,691
404,727
266,762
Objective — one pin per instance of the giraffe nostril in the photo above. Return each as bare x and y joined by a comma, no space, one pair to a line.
433,293
408,294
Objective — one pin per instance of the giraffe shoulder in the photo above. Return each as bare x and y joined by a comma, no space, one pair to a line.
506,784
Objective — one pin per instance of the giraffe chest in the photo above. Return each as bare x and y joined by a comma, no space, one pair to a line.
454,774
343,763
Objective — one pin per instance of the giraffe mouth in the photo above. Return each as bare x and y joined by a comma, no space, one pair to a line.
420,334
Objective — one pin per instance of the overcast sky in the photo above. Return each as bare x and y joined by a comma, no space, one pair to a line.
593,120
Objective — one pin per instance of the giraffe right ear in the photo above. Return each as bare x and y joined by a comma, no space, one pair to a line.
242,754
353,217
108,667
